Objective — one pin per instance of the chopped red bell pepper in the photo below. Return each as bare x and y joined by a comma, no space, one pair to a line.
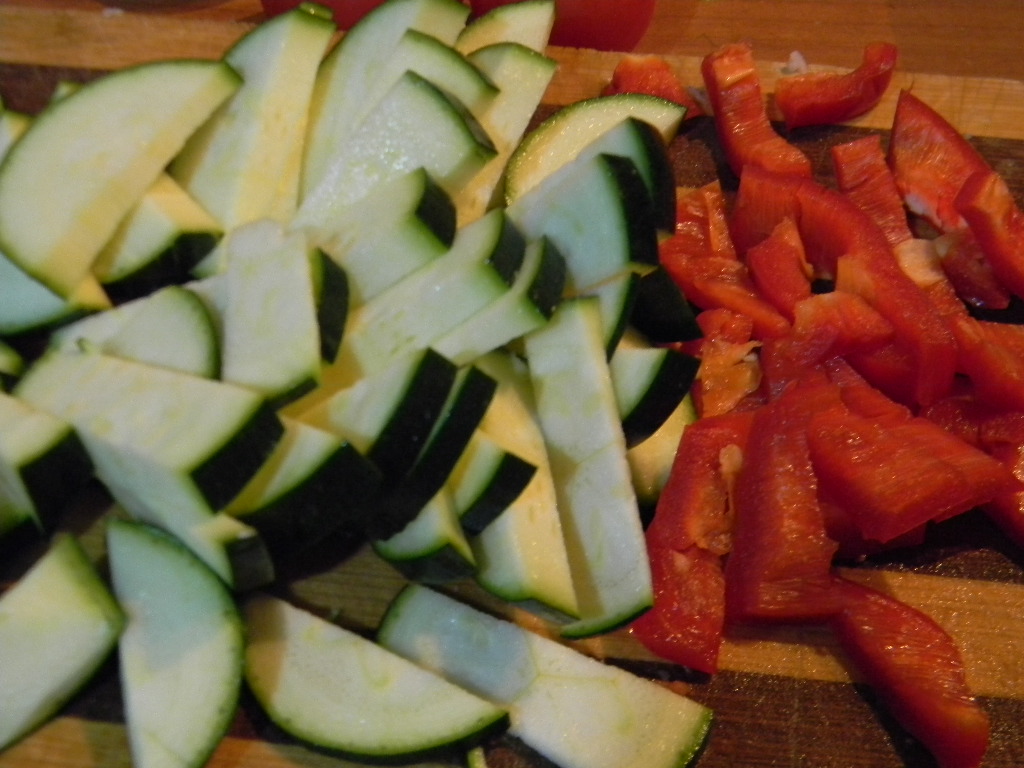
741,118
969,272
779,268
780,567
653,75
917,670
863,176
997,223
826,98
894,476
992,357
729,373
930,161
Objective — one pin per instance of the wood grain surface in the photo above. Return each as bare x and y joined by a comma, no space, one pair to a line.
785,697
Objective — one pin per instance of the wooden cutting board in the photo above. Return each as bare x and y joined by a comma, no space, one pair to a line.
785,697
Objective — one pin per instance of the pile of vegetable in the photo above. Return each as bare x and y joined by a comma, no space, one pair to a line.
316,288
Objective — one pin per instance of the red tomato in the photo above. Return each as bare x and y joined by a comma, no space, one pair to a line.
652,75
780,567
607,25
346,12
916,668
741,119
863,176
930,161
824,98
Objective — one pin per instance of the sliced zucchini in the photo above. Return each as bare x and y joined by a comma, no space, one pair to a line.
42,465
27,306
432,548
526,305
415,125
347,75
527,23
582,430
649,383
12,126
57,626
650,461
170,328
164,236
487,479
599,125
522,76
414,313
181,651
309,487
617,296
12,365
661,311
244,164
88,158
402,225
337,690
597,213
574,710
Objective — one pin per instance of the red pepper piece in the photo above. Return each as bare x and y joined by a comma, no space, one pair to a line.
918,672
779,569
997,223
930,161
729,373
863,176
969,272
992,356
741,118
653,75
826,98
779,268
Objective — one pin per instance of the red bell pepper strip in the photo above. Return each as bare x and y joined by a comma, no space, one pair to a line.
729,373
741,118
992,357
654,76
894,476
969,272
930,161
863,176
826,98
779,569
779,268
690,533
917,670
997,223
1002,435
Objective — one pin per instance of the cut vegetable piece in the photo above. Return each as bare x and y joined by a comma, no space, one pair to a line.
526,23
522,77
12,126
616,298
12,365
478,270
89,157
402,225
432,548
42,465
415,125
590,127
271,330
158,243
521,556
574,710
337,690
487,479
57,626
169,328
525,306
181,652
26,305
649,383
309,487
650,461
597,213
348,72
579,418
245,162
661,311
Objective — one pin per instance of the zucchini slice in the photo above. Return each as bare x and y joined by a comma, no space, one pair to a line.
182,649
526,23
574,710
57,626
335,689
89,157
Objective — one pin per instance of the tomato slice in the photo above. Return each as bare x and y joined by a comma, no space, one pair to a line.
741,118
652,75
780,567
917,670
930,161
864,177
997,223
825,98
